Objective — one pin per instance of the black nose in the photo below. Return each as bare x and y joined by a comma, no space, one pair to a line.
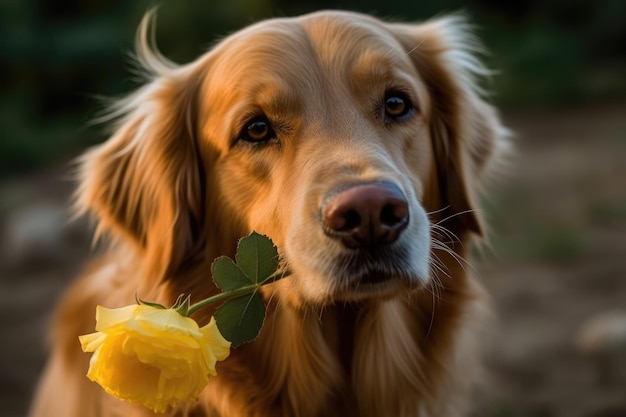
366,215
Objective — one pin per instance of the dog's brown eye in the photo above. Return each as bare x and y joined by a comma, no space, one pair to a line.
258,130
396,106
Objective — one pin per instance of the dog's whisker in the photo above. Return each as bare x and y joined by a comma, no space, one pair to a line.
436,263
430,213
443,246
462,262
439,229
432,319
460,213
435,289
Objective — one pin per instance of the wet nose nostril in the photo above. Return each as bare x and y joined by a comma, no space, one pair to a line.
394,213
352,220
337,219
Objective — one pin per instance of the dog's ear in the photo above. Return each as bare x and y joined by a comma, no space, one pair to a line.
144,185
465,130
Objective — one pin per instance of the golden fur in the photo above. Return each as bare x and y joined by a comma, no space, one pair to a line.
174,190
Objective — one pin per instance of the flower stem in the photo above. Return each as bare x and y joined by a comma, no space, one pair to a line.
248,289
222,296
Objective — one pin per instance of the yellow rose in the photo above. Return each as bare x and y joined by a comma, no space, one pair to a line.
152,357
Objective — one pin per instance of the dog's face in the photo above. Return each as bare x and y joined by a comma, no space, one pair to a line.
324,147
339,136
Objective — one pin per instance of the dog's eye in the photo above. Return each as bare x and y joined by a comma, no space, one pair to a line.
397,106
258,130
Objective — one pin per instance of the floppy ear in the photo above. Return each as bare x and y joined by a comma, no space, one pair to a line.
465,130
145,183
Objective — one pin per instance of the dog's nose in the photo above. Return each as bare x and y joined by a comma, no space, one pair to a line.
366,215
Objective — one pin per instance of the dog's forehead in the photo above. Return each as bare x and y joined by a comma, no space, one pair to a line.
341,36
311,47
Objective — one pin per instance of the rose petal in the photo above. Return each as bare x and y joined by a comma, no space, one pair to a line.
110,317
90,342
167,320
215,342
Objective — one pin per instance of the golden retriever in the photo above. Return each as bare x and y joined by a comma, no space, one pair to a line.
359,146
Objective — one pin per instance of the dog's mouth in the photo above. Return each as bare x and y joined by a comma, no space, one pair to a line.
374,274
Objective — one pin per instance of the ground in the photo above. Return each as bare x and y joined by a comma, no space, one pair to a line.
555,265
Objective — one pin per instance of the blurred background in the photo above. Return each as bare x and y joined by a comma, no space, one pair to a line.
556,265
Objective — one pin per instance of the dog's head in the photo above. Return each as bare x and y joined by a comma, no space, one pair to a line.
342,137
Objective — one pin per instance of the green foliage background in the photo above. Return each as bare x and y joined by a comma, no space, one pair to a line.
57,58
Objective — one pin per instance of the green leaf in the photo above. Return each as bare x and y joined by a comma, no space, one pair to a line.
228,276
257,257
240,320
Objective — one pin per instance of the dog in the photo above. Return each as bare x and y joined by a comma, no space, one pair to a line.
361,148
